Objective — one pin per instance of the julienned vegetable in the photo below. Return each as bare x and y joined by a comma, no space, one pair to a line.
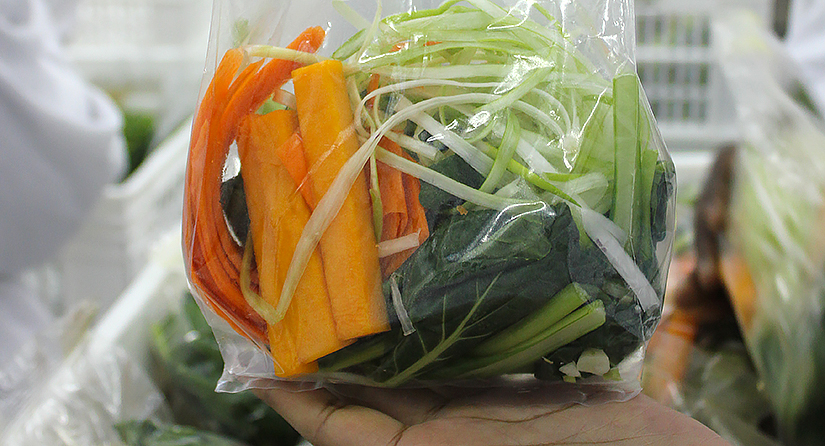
478,199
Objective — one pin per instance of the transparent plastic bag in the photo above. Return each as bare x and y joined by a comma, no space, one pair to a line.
717,385
83,400
500,211
773,252
186,365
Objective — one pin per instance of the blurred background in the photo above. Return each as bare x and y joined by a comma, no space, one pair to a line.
127,358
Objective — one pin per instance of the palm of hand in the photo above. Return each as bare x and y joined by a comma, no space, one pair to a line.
381,417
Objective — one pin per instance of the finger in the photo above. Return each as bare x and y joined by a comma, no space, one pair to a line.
409,406
324,420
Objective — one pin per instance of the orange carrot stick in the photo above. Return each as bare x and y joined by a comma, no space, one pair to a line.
416,222
213,256
739,282
375,82
393,200
214,272
278,216
348,247
291,154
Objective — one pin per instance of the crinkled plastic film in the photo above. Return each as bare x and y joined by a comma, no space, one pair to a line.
83,400
420,193
773,259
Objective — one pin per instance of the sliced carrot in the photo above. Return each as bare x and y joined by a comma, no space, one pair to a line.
278,215
291,154
415,219
375,82
348,247
214,271
284,352
213,256
281,125
393,199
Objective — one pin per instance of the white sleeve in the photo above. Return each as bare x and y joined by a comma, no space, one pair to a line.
805,41
60,139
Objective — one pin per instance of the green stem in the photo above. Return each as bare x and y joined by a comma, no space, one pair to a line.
575,325
532,178
562,304
507,149
352,356
627,157
442,346
375,195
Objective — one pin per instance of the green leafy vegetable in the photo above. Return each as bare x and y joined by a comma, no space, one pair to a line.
138,131
148,433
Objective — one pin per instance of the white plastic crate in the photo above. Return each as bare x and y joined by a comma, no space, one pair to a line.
148,54
113,243
678,70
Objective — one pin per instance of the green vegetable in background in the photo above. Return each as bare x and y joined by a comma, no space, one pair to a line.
138,131
188,364
147,433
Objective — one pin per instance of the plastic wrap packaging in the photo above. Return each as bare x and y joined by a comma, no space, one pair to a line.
773,249
715,384
82,402
186,365
415,194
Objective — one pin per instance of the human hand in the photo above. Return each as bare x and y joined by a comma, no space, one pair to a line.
383,417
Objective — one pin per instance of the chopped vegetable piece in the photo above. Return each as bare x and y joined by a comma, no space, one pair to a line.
348,246
278,214
593,361
403,213
291,154
213,256
570,369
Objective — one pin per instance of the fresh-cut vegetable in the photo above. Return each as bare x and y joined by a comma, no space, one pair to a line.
291,154
403,216
487,191
348,245
214,256
278,214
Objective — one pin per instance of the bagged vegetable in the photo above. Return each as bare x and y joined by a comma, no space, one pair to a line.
773,251
422,193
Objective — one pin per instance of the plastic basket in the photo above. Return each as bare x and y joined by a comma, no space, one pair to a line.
148,54
113,243
676,62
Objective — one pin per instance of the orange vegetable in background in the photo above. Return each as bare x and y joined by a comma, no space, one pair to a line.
738,280
348,247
